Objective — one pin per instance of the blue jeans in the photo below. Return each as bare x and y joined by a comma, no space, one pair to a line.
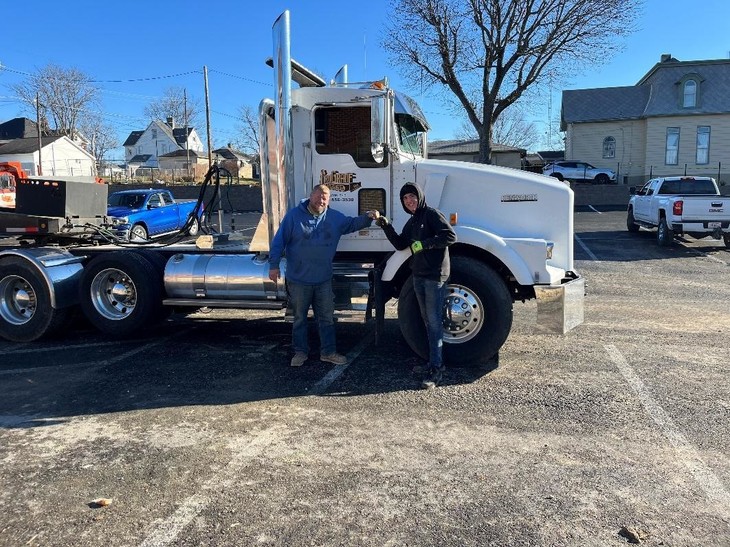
322,300
431,295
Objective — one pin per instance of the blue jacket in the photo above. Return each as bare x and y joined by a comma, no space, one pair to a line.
309,243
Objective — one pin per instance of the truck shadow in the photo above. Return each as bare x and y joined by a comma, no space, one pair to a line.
188,362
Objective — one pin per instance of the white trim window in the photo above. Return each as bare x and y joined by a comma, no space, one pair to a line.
703,144
689,97
671,151
609,147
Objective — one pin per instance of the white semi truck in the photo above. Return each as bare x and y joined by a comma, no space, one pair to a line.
364,140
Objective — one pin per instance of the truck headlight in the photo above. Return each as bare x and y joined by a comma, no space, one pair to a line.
549,250
116,221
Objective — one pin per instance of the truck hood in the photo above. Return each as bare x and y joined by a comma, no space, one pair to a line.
119,211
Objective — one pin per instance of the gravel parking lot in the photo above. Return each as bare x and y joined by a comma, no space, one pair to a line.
199,433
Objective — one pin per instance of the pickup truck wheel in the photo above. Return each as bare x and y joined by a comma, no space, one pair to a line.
26,313
477,316
602,178
121,292
631,222
726,239
138,233
664,236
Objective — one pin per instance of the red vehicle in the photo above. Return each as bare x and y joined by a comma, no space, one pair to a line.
10,172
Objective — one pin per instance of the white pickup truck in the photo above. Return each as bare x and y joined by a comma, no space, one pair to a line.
680,206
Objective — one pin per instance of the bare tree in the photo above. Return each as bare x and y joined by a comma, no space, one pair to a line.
488,53
102,138
510,129
175,105
248,130
63,95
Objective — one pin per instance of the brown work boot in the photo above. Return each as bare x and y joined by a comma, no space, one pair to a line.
334,358
299,359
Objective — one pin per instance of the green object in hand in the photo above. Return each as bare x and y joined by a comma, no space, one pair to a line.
382,221
416,247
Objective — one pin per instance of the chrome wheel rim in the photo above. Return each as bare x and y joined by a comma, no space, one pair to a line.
113,294
463,315
18,300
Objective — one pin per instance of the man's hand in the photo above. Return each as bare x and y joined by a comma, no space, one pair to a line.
416,247
373,215
382,221
274,274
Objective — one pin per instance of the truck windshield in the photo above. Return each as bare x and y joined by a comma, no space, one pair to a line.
133,201
6,182
410,135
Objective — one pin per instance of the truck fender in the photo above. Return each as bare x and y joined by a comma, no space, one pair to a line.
60,270
503,249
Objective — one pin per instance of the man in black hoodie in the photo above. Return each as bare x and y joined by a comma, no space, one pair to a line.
428,234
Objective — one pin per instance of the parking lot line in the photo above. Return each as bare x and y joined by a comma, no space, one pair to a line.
686,453
585,248
321,386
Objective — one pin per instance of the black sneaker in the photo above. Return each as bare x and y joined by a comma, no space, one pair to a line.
433,379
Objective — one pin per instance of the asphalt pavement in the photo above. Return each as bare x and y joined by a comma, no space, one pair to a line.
199,433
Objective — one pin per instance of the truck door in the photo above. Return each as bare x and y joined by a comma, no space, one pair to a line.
342,159
642,203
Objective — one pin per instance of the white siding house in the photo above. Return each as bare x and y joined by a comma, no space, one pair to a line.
143,148
60,155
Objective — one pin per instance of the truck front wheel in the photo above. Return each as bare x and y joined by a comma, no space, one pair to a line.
664,236
631,222
121,292
26,313
477,314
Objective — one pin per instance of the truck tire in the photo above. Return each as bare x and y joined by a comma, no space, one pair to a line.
664,236
631,222
726,239
121,292
138,233
26,313
478,314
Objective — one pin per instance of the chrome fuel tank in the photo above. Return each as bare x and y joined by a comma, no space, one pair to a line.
222,277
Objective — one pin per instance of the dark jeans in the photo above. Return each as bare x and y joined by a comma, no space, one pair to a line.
322,300
431,295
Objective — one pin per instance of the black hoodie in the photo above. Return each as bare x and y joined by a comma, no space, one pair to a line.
430,227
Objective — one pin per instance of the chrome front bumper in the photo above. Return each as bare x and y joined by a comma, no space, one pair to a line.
560,308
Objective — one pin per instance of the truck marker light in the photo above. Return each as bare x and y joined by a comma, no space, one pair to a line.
453,219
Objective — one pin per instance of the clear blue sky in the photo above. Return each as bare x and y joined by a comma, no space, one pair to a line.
137,49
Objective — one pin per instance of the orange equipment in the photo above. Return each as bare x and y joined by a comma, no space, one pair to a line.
10,173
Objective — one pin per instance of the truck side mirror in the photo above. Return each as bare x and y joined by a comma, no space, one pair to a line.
377,128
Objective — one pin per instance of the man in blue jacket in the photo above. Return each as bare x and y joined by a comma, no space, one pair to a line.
308,237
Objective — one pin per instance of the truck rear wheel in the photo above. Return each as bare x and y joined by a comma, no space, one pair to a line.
26,313
477,318
664,236
121,292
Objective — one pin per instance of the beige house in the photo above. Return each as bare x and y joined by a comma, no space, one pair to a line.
674,121
506,156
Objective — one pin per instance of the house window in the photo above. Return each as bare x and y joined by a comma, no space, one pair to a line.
672,146
703,144
690,94
154,133
609,147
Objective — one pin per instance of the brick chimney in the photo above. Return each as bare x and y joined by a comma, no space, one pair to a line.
171,122
665,57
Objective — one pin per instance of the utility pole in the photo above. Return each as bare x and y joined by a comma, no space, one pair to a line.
207,116
38,130
185,115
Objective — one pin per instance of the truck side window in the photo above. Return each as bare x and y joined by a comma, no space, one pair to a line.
340,130
154,201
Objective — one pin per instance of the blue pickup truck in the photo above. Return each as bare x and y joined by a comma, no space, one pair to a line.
145,214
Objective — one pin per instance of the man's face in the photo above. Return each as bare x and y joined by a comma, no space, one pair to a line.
318,200
411,202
